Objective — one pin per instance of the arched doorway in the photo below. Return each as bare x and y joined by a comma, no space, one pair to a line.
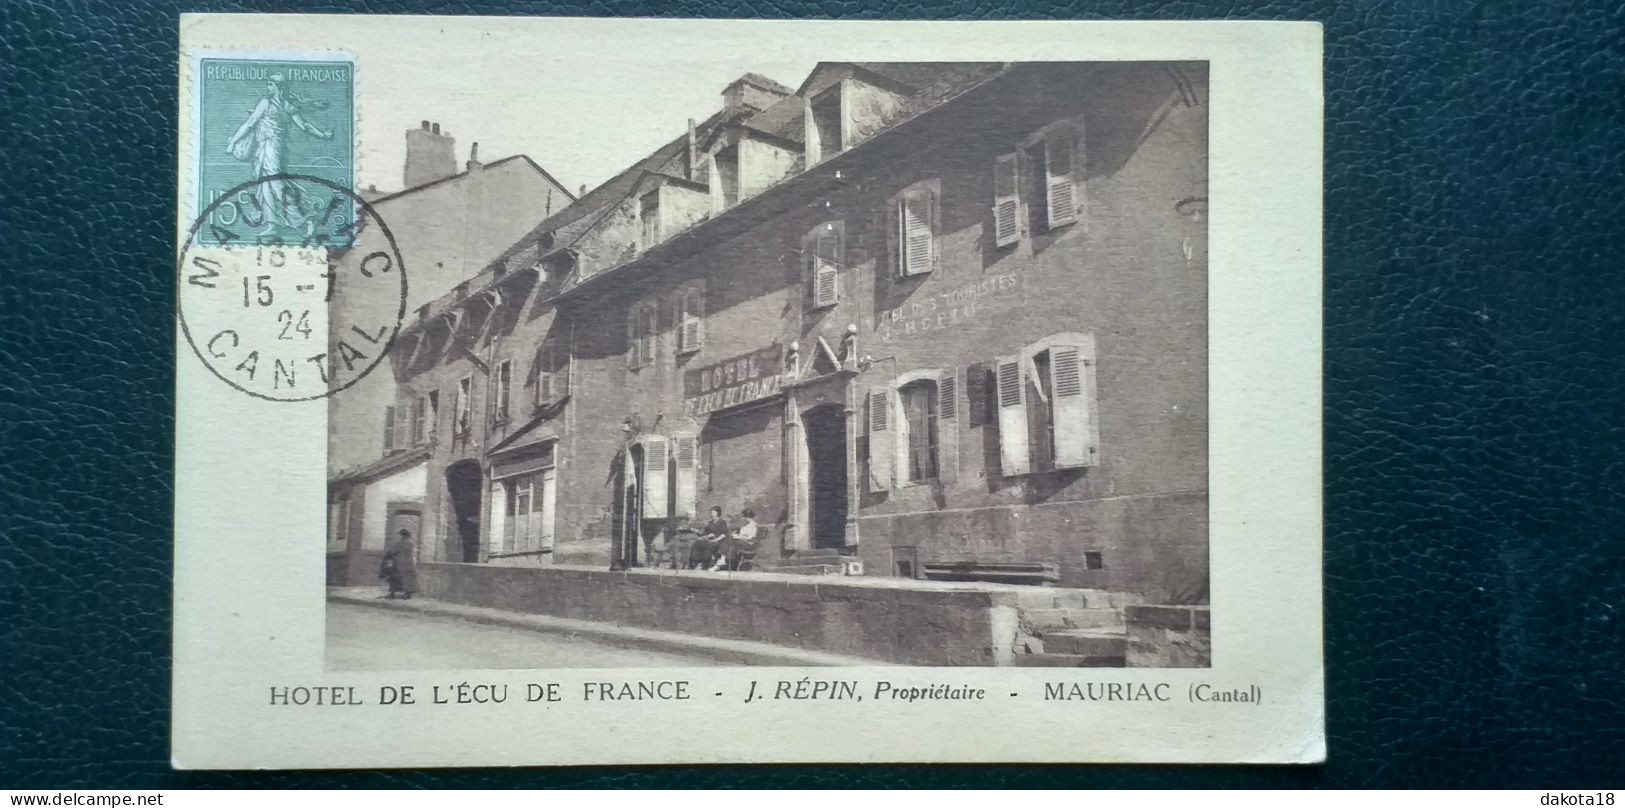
825,430
464,482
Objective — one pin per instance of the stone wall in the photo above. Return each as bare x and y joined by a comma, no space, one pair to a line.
919,625
1169,636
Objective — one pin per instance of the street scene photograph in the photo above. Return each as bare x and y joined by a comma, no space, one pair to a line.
862,363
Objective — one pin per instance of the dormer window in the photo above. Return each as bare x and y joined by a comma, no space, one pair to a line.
825,125
724,178
649,215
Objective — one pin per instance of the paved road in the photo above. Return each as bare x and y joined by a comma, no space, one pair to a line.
367,638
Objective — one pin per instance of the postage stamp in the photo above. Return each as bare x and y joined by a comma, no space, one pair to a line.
814,392
260,120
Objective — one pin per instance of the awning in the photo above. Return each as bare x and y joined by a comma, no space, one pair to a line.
522,459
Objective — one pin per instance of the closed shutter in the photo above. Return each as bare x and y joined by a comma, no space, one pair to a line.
403,426
420,415
1077,431
916,237
655,460
882,439
389,428
825,285
1059,179
686,489
1014,455
1006,201
948,427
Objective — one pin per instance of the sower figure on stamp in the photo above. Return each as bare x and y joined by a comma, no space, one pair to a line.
263,141
400,566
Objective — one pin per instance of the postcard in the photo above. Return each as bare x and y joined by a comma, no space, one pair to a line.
561,391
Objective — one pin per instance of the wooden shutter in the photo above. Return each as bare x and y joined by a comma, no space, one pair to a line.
691,320
647,331
655,460
1077,430
403,425
548,500
948,427
1014,455
544,373
1059,180
389,428
634,342
792,472
882,439
915,238
1006,201
686,451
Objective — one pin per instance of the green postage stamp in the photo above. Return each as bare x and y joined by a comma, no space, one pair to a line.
270,128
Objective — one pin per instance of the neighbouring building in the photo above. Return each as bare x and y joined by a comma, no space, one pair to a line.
447,225
940,319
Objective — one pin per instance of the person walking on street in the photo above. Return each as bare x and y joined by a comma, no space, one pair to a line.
400,566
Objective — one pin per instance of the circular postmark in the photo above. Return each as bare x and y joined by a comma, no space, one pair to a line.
290,288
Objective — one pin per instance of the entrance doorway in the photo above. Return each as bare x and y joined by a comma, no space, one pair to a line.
825,427
463,483
406,516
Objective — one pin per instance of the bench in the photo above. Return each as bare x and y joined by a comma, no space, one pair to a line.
1033,573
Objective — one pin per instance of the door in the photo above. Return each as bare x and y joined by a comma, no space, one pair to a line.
825,428
405,516
464,483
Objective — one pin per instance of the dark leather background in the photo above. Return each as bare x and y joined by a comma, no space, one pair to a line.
1475,410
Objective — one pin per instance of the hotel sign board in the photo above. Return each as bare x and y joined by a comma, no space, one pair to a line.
738,380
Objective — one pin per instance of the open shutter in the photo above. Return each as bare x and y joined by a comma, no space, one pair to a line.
655,460
693,320
825,285
686,490
948,427
792,472
403,426
1006,201
1059,182
915,236
544,373
634,342
389,429
882,439
1077,430
560,377
827,259
1014,455
547,500
650,326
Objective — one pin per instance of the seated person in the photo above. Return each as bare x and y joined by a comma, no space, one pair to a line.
710,550
743,545
680,542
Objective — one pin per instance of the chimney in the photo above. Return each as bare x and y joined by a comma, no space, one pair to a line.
693,156
752,91
429,155
583,191
474,163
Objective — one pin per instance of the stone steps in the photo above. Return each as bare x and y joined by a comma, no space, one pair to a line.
1043,621
1048,660
1088,642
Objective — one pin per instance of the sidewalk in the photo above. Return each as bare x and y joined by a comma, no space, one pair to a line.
739,652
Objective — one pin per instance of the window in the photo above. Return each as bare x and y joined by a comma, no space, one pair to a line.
463,408
642,323
1048,417
420,420
1046,173
1006,200
824,130
690,318
724,182
389,429
913,428
432,415
919,400
913,228
552,371
825,252
504,384
528,512
649,216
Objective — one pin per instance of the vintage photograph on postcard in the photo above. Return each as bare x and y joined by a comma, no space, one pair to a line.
747,391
